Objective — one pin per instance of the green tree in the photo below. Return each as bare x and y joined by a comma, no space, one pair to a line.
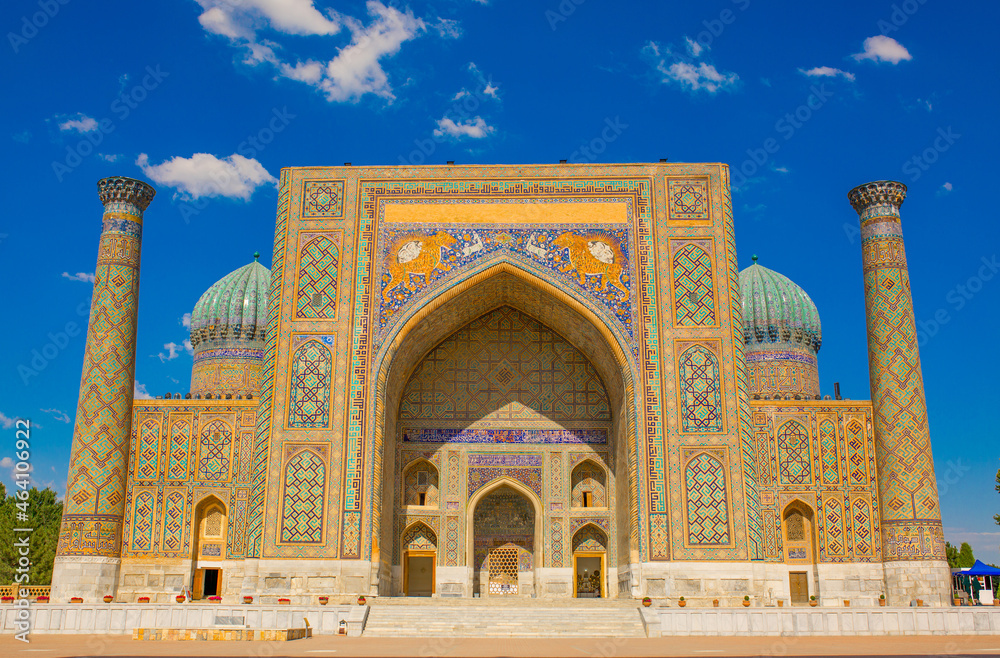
951,552
965,556
44,515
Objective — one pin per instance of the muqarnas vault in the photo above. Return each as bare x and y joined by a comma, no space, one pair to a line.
546,381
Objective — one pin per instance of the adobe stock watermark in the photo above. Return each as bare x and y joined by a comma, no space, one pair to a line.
898,17
54,345
786,127
33,24
957,299
249,148
123,106
588,151
921,162
954,472
461,110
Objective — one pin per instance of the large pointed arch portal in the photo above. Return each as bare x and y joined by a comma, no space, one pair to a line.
534,463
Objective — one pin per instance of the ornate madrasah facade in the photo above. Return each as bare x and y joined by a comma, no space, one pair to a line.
545,380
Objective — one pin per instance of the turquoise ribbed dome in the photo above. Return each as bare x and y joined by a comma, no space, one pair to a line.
776,310
235,307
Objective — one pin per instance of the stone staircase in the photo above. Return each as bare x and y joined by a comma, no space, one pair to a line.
402,617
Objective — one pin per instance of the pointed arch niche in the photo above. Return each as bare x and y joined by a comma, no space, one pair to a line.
501,296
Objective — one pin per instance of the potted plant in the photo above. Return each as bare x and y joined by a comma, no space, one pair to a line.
323,600
847,603
681,602
142,599
956,600
76,599
646,601
108,598
920,603
781,603
215,599
41,599
361,600
746,601
284,601
813,602
715,603
180,598
996,601
247,600
6,599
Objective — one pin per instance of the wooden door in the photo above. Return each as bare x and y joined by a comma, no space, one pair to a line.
197,588
419,577
798,585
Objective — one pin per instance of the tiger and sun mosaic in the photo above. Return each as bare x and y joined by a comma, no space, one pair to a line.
504,369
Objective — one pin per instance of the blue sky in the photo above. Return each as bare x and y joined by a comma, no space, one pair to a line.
209,99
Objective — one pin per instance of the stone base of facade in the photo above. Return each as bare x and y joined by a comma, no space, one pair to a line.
90,578
700,583
926,580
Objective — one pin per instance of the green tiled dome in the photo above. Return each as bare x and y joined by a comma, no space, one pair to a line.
235,307
776,310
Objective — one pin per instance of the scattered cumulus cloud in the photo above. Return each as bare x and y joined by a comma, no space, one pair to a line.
945,189
23,136
109,157
258,28
204,175
81,123
827,72
880,48
690,75
83,277
186,321
694,48
58,414
6,422
139,392
948,186
173,350
475,128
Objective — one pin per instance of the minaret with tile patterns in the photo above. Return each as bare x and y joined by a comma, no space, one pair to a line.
912,535
90,539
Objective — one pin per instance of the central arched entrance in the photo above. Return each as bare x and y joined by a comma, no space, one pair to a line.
506,427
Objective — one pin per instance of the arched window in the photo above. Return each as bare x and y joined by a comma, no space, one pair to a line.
420,484
701,399
589,488
707,501
309,398
799,532
211,529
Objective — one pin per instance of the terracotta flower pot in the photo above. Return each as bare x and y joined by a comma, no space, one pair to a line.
142,599
715,603
42,599
284,601
361,600
247,600
76,599
646,603
814,603
109,598
996,602
881,602
323,600
180,598
682,603
847,603
215,599
781,603
7,599
746,604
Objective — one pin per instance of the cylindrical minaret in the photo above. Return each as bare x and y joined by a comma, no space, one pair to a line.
912,536
90,540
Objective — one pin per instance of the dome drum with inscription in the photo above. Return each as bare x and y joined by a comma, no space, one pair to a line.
782,333
228,327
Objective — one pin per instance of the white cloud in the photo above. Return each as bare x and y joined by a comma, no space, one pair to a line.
109,157
188,347
6,422
490,89
9,464
948,186
139,392
460,95
780,170
186,321
694,48
827,72
172,352
58,414
81,124
690,75
881,48
475,128
83,277
204,175
356,70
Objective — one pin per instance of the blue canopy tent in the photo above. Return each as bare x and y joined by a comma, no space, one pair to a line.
980,569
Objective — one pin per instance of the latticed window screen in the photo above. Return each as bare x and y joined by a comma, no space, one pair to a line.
503,570
213,523
796,527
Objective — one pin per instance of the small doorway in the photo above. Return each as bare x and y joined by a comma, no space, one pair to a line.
798,586
588,574
418,576
207,582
